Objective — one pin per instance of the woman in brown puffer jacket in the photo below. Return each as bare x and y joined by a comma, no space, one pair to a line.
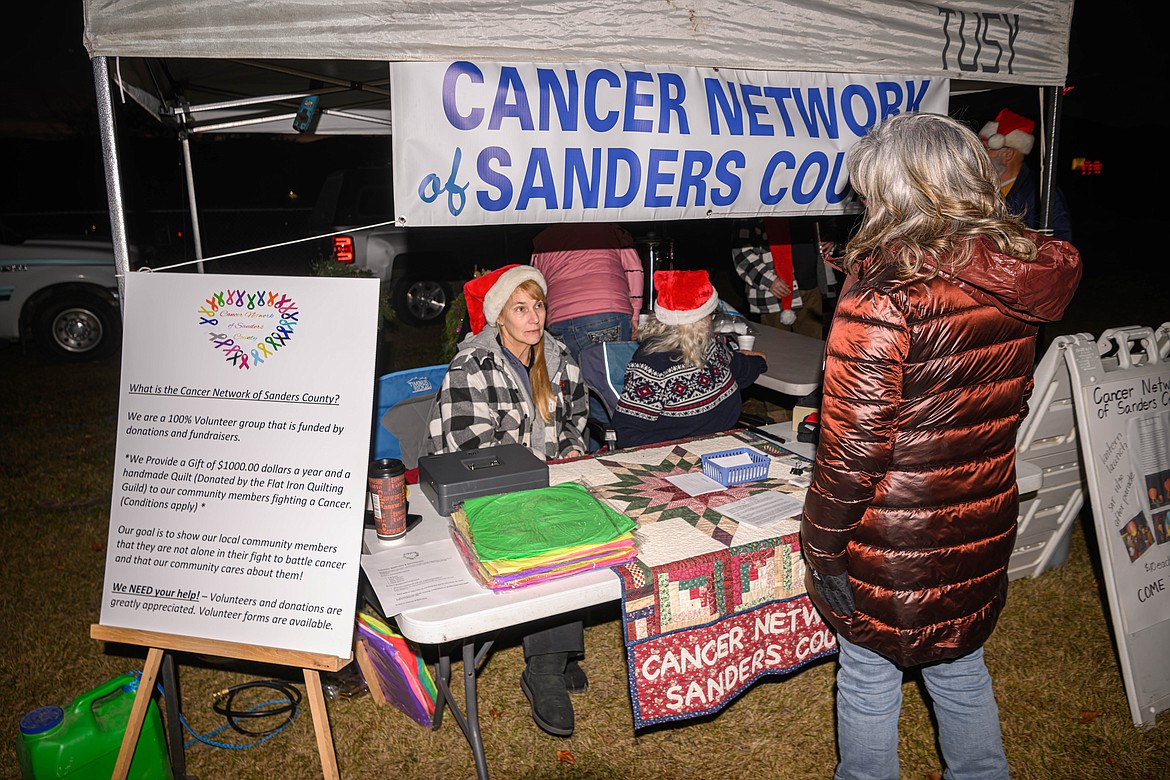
911,516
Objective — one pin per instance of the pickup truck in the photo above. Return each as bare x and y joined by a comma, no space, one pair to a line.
423,265
61,294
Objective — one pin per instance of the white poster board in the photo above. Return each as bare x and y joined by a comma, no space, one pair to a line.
484,142
1122,394
240,472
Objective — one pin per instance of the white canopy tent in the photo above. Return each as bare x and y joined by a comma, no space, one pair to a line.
245,64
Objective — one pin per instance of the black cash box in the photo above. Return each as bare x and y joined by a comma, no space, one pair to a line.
453,477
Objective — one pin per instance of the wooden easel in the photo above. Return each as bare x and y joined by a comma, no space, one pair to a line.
312,664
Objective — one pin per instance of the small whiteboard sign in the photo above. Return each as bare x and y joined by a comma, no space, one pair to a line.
240,472
1121,387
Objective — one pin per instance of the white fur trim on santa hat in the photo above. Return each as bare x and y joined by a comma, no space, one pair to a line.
668,317
497,297
1016,139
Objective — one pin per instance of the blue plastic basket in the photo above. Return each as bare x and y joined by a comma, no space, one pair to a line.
735,475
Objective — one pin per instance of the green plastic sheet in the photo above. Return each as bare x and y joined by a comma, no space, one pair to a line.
532,522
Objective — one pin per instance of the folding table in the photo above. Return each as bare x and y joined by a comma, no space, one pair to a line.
472,622
795,362
469,620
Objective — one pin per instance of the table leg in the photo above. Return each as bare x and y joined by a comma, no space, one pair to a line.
469,722
474,738
444,691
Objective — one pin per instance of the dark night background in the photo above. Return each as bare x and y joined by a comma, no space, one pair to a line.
52,156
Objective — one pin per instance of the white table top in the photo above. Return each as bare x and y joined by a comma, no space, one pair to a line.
795,362
491,611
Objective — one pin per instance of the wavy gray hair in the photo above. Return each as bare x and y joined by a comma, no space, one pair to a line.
929,190
690,341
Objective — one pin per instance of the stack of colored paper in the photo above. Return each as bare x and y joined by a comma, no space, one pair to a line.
403,677
532,536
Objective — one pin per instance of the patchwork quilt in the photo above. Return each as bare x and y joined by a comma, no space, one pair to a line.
710,604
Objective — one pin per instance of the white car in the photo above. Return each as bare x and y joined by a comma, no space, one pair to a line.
62,294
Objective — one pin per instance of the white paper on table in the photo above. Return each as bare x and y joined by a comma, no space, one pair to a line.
763,509
731,461
695,483
746,534
419,576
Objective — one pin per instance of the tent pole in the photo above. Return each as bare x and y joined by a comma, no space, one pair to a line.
1053,103
109,136
190,177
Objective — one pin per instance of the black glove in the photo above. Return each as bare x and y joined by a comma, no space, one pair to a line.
836,591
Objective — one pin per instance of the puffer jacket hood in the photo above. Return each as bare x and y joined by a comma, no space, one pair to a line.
1035,292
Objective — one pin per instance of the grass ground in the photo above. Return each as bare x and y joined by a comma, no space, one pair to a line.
1062,700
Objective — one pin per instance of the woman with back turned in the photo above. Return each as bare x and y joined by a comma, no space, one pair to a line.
911,515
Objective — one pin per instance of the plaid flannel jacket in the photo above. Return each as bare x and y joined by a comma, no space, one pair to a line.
482,402
753,263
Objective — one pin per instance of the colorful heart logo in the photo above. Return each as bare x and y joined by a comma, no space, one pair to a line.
249,328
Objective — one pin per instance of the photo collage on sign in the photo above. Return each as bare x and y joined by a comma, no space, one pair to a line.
1150,450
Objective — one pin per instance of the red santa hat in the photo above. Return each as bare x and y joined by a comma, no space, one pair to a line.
487,294
683,297
1009,129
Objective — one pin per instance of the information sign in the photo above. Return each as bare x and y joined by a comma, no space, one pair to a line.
1122,398
240,472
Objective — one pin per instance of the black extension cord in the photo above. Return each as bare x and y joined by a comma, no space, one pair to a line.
224,700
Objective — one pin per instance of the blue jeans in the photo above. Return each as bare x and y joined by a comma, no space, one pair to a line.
869,701
581,332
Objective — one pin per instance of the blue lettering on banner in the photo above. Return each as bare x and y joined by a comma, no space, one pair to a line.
473,118
563,96
600,112
511,102
619,158
431,187
599,124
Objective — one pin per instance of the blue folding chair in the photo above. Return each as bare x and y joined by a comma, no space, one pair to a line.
603,367
404,401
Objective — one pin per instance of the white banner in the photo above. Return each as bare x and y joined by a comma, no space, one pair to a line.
478,143
240,473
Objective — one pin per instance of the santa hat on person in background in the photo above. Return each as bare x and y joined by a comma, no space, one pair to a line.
683,297
487,294
1011,130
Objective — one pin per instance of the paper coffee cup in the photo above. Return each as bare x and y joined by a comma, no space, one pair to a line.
387,486
746,341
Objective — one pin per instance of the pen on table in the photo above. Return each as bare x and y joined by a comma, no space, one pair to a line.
772,436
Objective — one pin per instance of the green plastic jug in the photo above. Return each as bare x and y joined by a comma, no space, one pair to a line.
82,740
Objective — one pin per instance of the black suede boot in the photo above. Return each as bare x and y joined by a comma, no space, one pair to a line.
575,679
543,682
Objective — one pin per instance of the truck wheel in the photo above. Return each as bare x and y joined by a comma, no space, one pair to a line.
421,301
77,327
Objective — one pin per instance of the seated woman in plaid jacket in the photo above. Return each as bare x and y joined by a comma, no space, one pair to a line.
510,382
513,383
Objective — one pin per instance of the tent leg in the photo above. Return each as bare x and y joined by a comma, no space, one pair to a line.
190,176
109,136
1052,106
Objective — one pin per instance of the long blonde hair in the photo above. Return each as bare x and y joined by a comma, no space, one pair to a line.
930,192
690,340
542,392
